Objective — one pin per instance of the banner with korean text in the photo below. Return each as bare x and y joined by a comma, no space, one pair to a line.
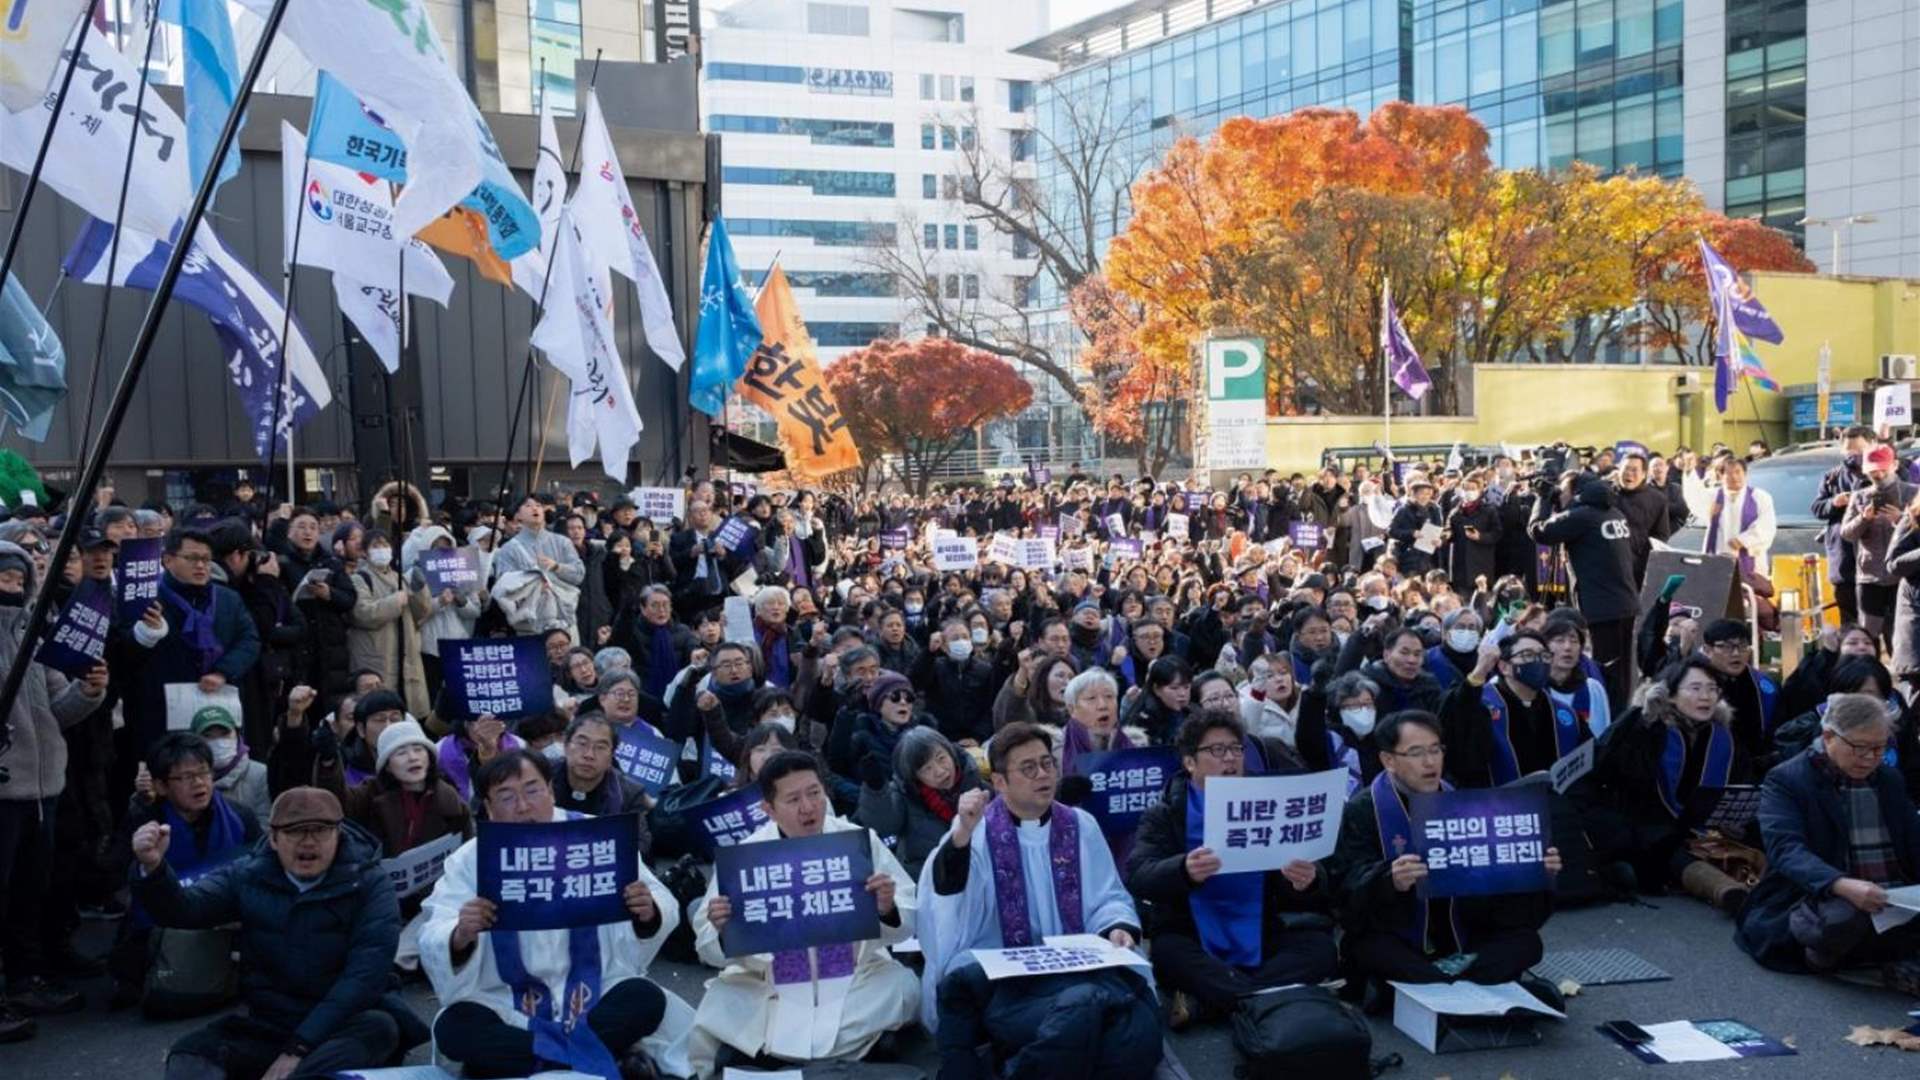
797,893
1266,822
784,378
551,874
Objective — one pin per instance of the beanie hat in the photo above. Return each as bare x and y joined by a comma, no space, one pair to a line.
883,684
399,734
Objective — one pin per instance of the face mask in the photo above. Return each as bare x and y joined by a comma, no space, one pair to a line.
224,751
555,752
1533,674
1430,636
979,635
1341,636
380,556
915,607
1359,719
1469,494
960,649
1463,640
779,719
1377,603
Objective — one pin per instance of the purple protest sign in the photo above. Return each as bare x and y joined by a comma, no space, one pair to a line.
79,639
506,677
730,819
137,567
553,874
1049,532
1481,842
1307,536
1124,548
797,893
646,756
894,539
1125,783
735,532
1042,476
450,568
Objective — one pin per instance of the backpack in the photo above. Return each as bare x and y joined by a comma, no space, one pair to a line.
189,973
1301,1031
687,884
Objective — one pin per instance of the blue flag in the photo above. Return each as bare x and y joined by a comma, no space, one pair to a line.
212,80
729,329
33,365
344,131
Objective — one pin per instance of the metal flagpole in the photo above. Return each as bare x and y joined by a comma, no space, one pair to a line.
1386,362
283,376
18,225
136,362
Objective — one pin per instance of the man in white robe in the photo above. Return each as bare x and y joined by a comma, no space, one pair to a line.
481,1024
1740,520
1042,1025
849,998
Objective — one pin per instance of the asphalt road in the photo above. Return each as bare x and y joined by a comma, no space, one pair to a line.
1712,979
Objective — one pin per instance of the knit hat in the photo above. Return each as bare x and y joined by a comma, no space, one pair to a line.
398,734
14,560
376,703
305,806
1087,603
212,716
883,684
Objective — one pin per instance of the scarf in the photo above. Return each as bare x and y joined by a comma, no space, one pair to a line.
560,1035
1077,740
797,568
772,640
225,835
197,608
1396,839
663,663
938,802
1010,875
1715,766
1228,909
1749,512
1568,732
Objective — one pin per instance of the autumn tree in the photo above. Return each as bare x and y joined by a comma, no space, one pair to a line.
1132,392
918,400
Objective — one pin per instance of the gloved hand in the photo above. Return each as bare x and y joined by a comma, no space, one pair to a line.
873,771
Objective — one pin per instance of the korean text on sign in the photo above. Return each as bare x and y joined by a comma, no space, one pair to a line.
1483,841
556,874
506,677
644,755
802,891
1266,822
1125,783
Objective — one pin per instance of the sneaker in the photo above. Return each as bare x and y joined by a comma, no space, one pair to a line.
14,1027
43,997
1549,994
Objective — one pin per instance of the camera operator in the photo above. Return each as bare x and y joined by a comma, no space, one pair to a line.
1600,552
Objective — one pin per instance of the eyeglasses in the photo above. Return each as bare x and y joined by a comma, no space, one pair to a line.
1421,753
899,696
1865,750
191,776
623,693
196,560
1527,656
1223,751
1045,765
1701,689
736,663
311,831
1733,645
591,745
507,798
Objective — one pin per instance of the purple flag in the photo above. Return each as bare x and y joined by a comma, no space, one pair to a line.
1409,374
1724,286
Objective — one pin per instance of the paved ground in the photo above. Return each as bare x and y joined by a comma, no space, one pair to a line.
1712,979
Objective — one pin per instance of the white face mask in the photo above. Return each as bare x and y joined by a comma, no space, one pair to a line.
960,648
779,719
555,752
224,751
979,635
1359,719
1463,640
1377,603
380,556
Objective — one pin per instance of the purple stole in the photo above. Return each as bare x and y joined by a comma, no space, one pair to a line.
797,570
1010,876
796,966
454,767
1396,839
1749,513
1569,730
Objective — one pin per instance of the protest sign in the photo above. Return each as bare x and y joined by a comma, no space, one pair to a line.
658,504
1036,554
1728,809
1041,475
955,553
1124,549
1266,822
1049,532
1071,526
552,874
719,766
797,893
736,615
450,568
1004,549
1177,526
137,567
734,533
1482,842
1057,955
895,539
79,639
645,755
1116,525
413,872
184,699
729,819
1125,783
1892,406
1569,769
1308,536
1077,558
505,677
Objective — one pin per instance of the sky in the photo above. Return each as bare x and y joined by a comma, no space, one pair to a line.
1063,12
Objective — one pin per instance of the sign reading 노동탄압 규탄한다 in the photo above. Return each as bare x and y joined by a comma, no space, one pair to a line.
503,677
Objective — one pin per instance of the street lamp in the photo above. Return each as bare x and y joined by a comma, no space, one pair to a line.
1837,224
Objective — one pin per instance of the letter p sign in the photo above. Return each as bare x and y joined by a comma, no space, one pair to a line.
1235,369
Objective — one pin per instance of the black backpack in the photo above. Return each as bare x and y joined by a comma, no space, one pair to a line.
688,885
1301,1031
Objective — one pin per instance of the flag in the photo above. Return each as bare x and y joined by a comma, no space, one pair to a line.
245,312
1750,365
576,334
33,366
463,232
729,329
549,194
389,55
36,33
342,130
784,378
604,209
212,80
89,149
1409,374
1724,286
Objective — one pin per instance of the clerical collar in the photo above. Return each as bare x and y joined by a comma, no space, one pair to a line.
1045,817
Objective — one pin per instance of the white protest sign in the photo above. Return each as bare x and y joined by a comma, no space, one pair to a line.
1036,554
1893,406
955,553
1177,526
1116,525
660,505
1266,822
184,699
414,871
1568,770
1004,549
1070,526
1077,558
737,617
1059,954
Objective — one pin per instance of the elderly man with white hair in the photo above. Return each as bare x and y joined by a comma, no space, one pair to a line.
779,643
1840,832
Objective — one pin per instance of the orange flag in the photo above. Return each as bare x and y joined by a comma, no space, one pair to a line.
784,378
463,232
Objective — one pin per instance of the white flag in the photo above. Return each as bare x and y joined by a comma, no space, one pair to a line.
605,211
388,53
576,334
90,143
375,309
36,33
549,195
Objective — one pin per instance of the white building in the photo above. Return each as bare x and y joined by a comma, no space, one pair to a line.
841,123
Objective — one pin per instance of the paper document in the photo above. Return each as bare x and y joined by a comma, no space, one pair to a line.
1473,999
1681,1041
1902,905
1428,538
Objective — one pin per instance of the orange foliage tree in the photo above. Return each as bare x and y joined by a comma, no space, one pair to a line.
1131,389
919,399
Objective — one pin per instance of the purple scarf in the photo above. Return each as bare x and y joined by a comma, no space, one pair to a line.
1749,513
1078,740
1010,876
797,568
196,621
454,767
795,966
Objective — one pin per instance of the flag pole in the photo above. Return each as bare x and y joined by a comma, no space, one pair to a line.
1386,364
282,376
17,227
136,362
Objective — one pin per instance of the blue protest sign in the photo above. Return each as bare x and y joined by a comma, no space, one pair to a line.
730,819
1125,783
137,567
733,533
719,766
79,639
644,755
450,568
506,677
1307,536
894,539
797,893
1483,841
551,874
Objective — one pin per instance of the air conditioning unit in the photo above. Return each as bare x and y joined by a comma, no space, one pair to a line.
1899,366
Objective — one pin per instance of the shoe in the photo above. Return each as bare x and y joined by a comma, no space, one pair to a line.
1704,881
15,1027
43,997
70,963
1902,976
1549,994
1179,1011
1376,999
105,911
1620,879
638,1065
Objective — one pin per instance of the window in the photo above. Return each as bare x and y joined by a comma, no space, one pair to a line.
1020,145
849,20
926,136
821,181
554,28
929,186
947,140
973,237
953,287
1019,95
966,138
971,283
773,73
966,88
946,88
823,233
926,88
930,237
949,187
953,237
837,282
1483,52
841,335
819,132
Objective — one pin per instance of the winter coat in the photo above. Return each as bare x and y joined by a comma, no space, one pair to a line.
958,693
1843,479
1648,519
174,659
1634,819
617,794
379,806
1599,550
34,764
1804,824
385,634
1470,559
1903,562
283,655
596,605
1405,527
899,810
1871,534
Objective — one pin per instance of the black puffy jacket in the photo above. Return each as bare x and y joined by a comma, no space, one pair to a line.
1599,547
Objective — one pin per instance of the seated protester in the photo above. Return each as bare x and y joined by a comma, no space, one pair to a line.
1147,640
660,646
892,710
1089,645
619,695
1093,720
318,927
1270,702
1856,675
830,1002
1312,641
897,648
1218,937
507,997
770,705
1647,767
916,803
582,680
585,780
176,789
1840,830
1163,701
468,747
323,757
1036,692
1572,687
721,695
1810,682
1728,647
779,643
1013,872
959,683
1665,635
1392,931
1213,690
238,778
758,746
1499,729
1458,650
1335,724
406,803
1400,674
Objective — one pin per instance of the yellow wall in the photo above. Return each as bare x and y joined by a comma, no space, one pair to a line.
1863,319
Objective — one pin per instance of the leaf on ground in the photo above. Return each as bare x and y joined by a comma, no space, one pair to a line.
1863,1035
1569,988
1789,1042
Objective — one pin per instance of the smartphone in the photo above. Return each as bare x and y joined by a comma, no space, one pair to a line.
1627,1032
